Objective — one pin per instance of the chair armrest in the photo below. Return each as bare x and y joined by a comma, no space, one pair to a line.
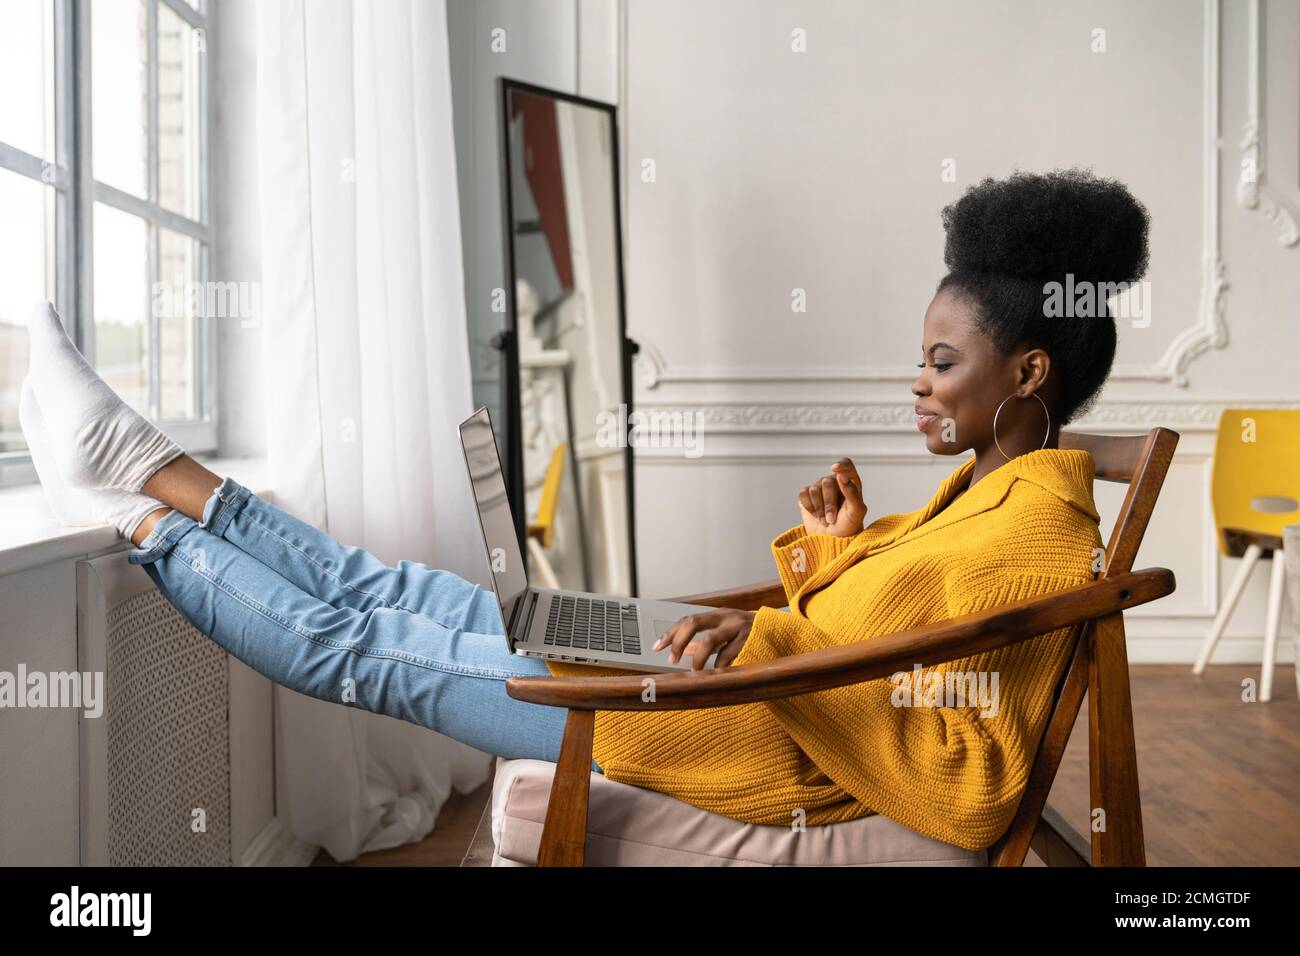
856,662
747,597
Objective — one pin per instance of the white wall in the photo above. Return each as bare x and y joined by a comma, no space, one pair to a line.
778,170
540,42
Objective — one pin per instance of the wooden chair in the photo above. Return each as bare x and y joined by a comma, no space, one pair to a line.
1098,665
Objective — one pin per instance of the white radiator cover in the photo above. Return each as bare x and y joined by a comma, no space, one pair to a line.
155,765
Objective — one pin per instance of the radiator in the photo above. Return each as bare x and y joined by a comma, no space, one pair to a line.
155,765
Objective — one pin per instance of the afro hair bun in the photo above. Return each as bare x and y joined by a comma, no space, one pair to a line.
1045,225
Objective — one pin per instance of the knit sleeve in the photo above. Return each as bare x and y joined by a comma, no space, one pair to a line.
908,746
800,555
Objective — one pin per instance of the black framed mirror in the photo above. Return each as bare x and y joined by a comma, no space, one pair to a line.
567,382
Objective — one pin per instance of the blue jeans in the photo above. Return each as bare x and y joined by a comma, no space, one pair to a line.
335,623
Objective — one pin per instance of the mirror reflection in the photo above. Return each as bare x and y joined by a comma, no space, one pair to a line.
570,340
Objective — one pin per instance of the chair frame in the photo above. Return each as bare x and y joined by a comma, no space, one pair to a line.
1098,666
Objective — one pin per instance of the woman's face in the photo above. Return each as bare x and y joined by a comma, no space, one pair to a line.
964,379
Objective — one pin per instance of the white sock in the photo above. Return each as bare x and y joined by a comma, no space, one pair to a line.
97,439
77,506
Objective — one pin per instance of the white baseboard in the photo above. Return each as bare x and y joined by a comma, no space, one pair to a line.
1242,652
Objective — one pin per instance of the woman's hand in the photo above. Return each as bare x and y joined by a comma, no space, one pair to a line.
699,635
833,505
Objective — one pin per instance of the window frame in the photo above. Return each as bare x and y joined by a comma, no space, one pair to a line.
76,192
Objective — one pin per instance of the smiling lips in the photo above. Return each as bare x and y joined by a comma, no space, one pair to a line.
924,419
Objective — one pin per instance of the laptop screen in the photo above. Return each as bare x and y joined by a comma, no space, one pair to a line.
509,577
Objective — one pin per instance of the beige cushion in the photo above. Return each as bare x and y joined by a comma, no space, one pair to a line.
633,826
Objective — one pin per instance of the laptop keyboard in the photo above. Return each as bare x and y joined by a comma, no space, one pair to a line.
593,624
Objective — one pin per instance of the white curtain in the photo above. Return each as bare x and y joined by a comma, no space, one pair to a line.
366,366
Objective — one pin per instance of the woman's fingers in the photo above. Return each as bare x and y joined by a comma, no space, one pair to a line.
815,496
849,480
845,469
731,635
704,644
728,653
681,633
850,490
667,636
822,500
830,494
699,635
805,506
724,638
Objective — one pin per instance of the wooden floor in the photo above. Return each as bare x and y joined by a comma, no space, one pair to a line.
1220,778
448,844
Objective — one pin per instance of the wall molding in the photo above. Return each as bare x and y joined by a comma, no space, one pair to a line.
738,417
1209,330
1253,192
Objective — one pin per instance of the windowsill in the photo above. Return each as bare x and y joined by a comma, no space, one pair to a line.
30,536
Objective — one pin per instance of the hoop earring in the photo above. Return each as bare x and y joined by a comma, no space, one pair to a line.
995,423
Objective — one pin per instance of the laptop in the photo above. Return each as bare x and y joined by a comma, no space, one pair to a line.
572,626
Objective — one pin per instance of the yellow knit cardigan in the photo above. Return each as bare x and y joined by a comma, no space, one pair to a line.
953,770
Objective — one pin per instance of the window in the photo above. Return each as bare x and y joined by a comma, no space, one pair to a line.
104,195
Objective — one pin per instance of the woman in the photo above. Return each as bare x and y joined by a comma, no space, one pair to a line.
999,377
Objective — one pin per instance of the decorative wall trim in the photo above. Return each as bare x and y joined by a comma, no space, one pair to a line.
867,416
1209,331
1252,192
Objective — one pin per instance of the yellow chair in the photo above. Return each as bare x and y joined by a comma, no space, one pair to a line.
1255,494
542,528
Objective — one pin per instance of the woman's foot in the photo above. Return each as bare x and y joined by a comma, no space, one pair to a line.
97,441
124,510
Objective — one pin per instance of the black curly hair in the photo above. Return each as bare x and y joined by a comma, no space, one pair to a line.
1008,238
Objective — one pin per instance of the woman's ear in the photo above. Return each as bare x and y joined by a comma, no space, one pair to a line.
1035,366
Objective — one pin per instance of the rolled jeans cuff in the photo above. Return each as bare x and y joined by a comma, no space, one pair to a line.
170,528
226,501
